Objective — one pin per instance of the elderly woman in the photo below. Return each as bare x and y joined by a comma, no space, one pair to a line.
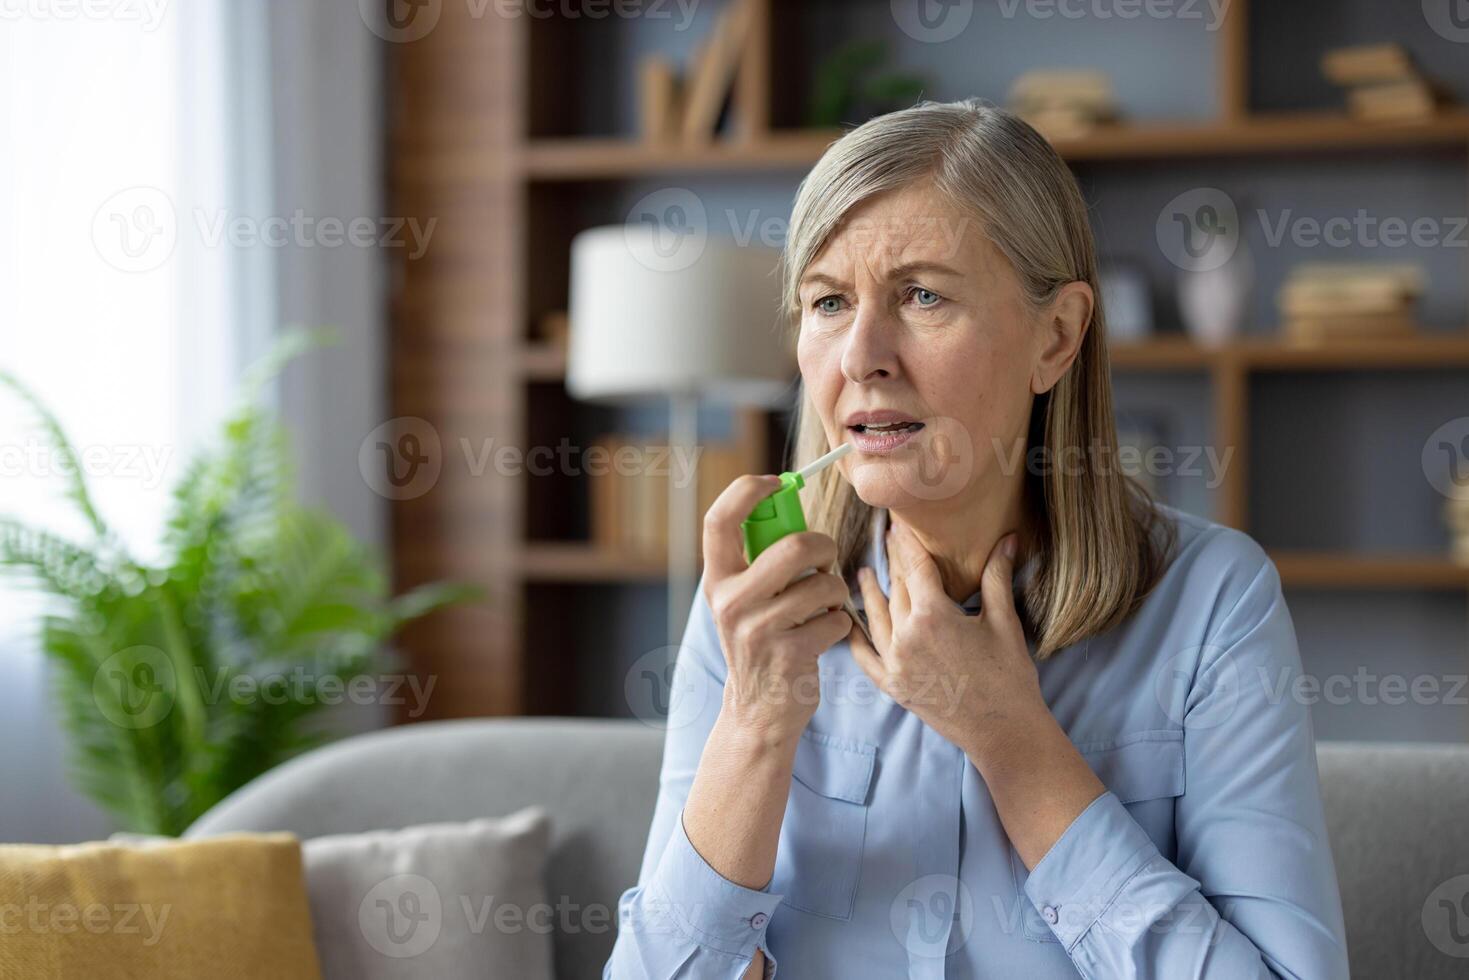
1054,739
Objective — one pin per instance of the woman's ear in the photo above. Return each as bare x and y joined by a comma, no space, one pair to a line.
1063,326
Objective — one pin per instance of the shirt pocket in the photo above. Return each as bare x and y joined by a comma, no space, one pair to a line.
820,855
1136,768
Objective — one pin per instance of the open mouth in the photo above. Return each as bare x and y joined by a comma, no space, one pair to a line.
881,434
888,427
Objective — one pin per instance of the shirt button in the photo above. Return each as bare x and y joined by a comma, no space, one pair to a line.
1049,914
758,919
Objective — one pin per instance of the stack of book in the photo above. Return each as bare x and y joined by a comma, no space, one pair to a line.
1381,82
1349,301
629,497
1063,104
688,107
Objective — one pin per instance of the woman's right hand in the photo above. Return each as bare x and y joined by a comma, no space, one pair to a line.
772,623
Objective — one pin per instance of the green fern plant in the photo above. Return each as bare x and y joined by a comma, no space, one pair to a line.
179,681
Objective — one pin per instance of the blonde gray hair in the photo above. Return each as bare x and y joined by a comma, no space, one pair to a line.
1100,543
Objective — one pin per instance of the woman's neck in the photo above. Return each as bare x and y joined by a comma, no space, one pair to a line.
961,538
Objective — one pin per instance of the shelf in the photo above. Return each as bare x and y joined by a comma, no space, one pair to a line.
575,562
1327,569
591,159
1264,135
608,158
543,362
1429,350
1162,354
1446,350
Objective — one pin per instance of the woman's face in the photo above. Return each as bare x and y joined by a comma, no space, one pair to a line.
917,345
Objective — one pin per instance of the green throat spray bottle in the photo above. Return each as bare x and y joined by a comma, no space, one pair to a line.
780,513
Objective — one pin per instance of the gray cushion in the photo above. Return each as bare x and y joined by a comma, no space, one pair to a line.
1396,815
456,901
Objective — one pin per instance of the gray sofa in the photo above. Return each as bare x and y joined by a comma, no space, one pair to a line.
1398,817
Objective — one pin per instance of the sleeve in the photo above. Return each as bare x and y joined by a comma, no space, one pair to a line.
1254,890
683,918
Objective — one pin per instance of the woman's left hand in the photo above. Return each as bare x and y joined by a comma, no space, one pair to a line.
969,678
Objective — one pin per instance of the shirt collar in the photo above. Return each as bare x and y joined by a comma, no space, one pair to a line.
877,558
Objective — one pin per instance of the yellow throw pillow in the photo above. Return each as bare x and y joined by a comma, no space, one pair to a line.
230,907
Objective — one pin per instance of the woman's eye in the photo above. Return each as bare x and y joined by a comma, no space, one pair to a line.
829,304
925,297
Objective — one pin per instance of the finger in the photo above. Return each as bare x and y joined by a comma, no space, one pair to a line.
724,545
875,604
920,571
805,599
997,583
867,658
897,584
778,566
825,631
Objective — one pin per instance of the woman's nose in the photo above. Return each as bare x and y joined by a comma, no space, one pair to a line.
868,353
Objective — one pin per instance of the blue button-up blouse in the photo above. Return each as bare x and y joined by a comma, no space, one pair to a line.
1207,856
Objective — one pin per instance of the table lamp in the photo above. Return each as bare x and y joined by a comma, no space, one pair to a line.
695,322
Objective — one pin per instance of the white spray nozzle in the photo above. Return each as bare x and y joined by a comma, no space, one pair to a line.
816,466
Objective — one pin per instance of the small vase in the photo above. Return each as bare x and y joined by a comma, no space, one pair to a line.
1212,302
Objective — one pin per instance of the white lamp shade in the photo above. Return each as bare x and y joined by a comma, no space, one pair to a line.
700,318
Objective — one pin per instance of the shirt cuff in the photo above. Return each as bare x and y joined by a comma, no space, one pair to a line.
1079,878
712,910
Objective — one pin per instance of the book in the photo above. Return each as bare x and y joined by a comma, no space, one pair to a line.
1090,91
1367,63
712,73
629,497
658,99
1061,123
1365,326
1350,287
1408,99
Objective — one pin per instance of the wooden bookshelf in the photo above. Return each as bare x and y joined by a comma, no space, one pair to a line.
479,141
